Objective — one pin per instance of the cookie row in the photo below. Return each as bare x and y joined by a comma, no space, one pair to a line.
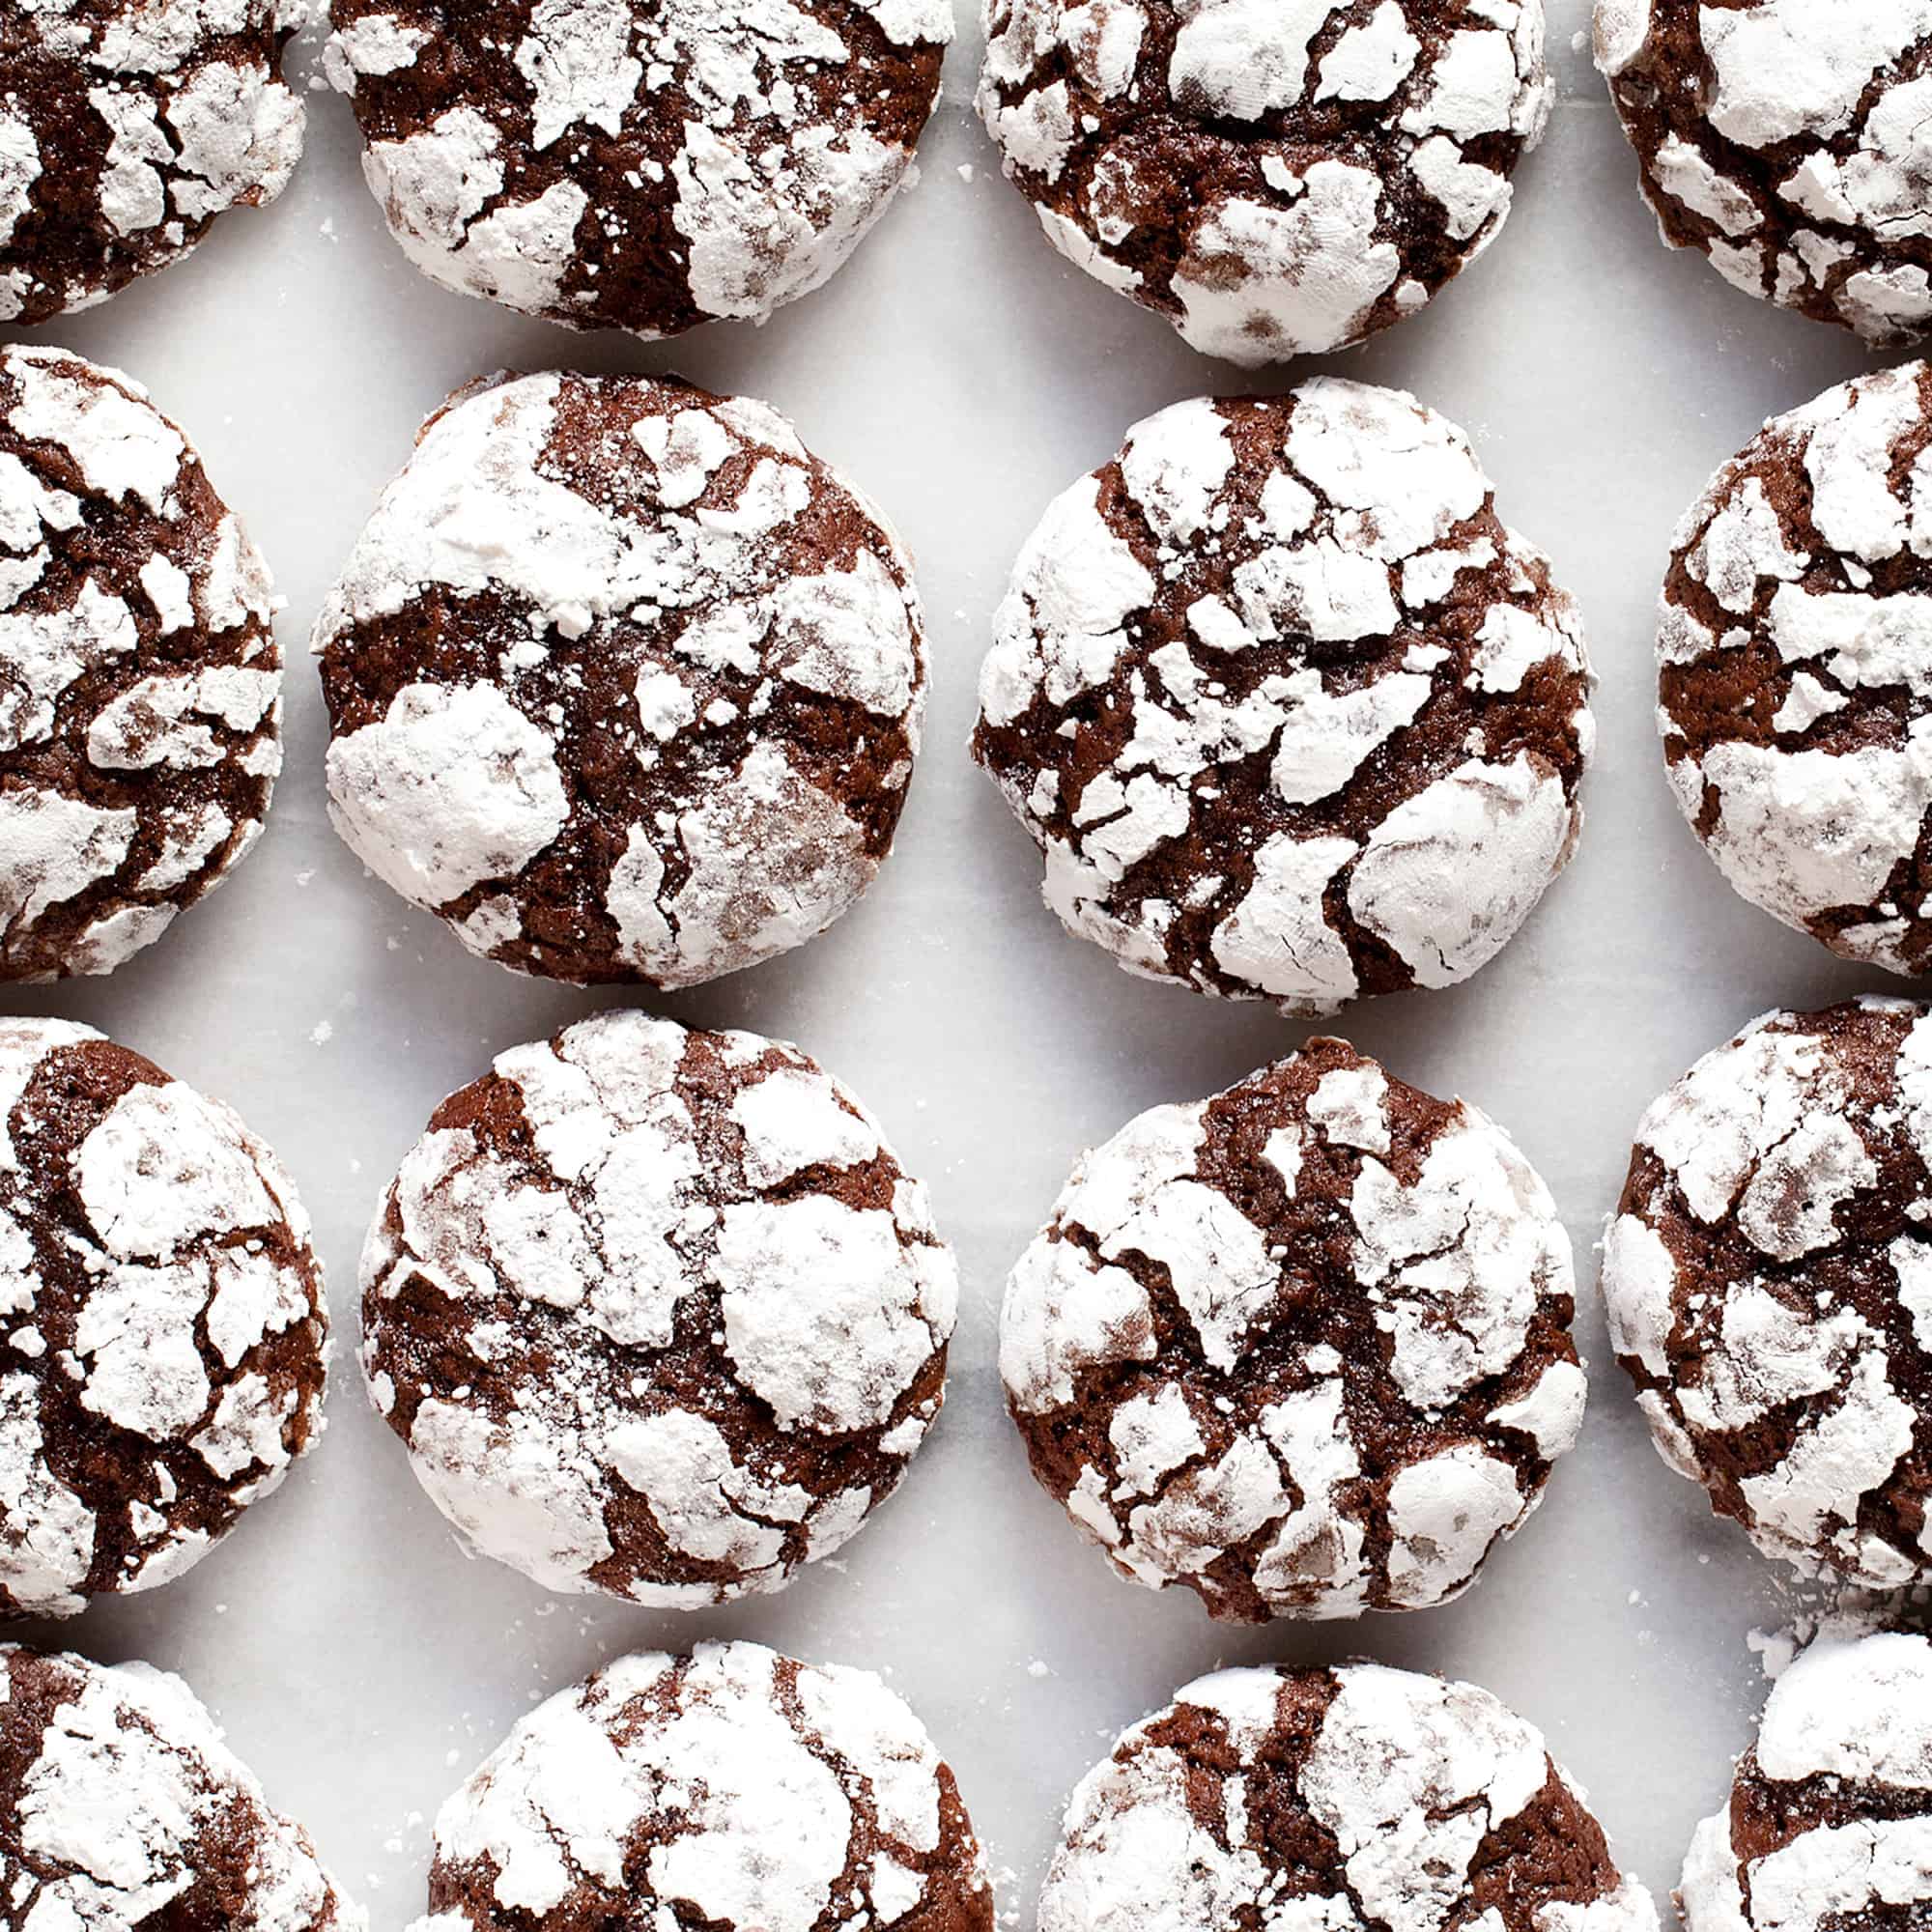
758,1793
624,683
1274,180
658,1314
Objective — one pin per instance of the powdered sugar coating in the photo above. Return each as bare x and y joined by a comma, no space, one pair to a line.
1332,1800
1277,180
120,1806
734,1786
127,126
162,1326
1785,140
1830,1819
1302,1348
140,681
656,1313
1291,712
1766,1280
608,163
623,682
1795,698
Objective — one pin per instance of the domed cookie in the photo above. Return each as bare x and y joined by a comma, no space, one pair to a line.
1304,1348
656,1313
612,163
126,127
120,1806
736,1788
1795,676
1278,180
162,1326
622,682
1769,1281
140,680
1350,1799
1783,139
1291,712
1830,1809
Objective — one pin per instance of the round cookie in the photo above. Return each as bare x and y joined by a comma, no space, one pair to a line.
622,682
1348,1799
1279,179
736,1788
656,1313
1769,1285
1794,678
140,680
1782,139
1291,712
641,165
1830,1809
1304,1348
163,1334
120,1806
126,127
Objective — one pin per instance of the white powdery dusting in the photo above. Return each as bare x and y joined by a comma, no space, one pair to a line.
1310,256
1362,526
627,1212
126,1793
751,1810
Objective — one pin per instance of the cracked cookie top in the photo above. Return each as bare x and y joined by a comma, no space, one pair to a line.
1783,139
1277,178
126,127
1291,712
162,1328
1769,1283
120,1806
656,1313
1794,687
734,1788
610,163
1304,1348
1336,1800
622,681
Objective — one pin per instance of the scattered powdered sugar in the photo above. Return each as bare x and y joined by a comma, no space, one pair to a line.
1389,1785
650,582
759,1793
1109,114
1246,810
1789,1390
1831,1814
661,166
1218,1405
693,1314
165,1327
129,1810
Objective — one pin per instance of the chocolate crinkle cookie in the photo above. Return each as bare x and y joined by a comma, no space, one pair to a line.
622,682
122,1811
1277,180
162,1328
140,680
641,165
734,1789
1769,1281
656,1313
1291,712
126,127
1795,682
1304,1348
1828,1827
1353,1799
1784,139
